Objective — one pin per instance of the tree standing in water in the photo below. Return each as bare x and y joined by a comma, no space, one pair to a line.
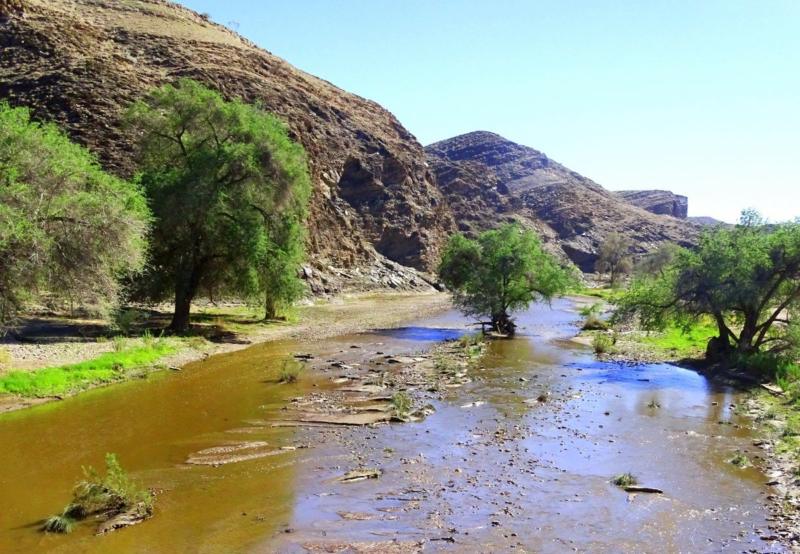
501,272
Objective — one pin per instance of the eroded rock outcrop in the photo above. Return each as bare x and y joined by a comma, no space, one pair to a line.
488,180
662,202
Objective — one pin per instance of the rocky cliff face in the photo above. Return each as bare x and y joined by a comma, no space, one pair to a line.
81,62
377,211
488,179
662,202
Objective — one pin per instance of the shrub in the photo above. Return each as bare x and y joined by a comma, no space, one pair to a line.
472,344
740,460
60,523
591,309
290,371
124,320
119,344
603,343
624,480
471,339
594,323
108,495
401,404
445,365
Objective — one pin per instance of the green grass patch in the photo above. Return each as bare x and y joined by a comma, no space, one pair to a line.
624,480
106,368
243,319
680,342
781,420
605,293
603,343
782,370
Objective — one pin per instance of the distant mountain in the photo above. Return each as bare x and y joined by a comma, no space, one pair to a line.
662,202
488,179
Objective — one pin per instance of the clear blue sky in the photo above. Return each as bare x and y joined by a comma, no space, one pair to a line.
699,97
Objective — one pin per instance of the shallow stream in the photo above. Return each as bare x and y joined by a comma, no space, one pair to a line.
520,458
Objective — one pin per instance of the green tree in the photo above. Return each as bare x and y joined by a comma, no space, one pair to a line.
218,174
67,228
279,263
746,278
614,257
503,271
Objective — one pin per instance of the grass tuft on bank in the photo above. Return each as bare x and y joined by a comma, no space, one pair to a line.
106,368
680,342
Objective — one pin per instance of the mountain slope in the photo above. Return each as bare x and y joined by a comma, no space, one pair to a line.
81,62
381,204
488,179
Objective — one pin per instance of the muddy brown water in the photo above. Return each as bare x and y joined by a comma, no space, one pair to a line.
494,469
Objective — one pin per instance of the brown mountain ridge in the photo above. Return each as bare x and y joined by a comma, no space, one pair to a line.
382,208
489,179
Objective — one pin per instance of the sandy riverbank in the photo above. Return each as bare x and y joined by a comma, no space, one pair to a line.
337,316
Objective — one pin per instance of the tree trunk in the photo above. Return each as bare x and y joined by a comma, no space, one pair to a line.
185,290
502,324
180,317
719,348
270,309
746,344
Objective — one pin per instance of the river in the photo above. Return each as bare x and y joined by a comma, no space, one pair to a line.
519,459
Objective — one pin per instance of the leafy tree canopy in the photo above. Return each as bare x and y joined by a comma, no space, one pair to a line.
223,179
503,271
67,228
746,278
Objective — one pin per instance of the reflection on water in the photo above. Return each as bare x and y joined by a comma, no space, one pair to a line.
520,457
420,334
646,376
